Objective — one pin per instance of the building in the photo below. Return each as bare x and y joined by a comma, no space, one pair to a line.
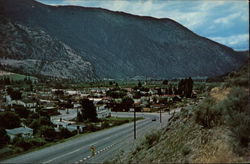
29,103
21,131
102,111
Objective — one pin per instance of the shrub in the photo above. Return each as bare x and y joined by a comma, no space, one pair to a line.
22,142
208,114
240,128
48,133
37,141
151,139
91,128
186,150
237,115
65,133
105,124
6,151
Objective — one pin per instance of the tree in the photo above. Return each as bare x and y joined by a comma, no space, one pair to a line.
9,120
79,117
155,99
185,87
159,92
139,84
4,137
170,90
88,110
163,100
127,103
175,90
59,93
69,104
9,90
35,124
189,86
21,111
45,121
165,82
16,95
48,132
137,94
111,83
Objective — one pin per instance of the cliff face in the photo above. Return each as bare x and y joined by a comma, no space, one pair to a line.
35,52
120,45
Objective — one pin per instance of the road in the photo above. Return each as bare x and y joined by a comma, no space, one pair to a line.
108,143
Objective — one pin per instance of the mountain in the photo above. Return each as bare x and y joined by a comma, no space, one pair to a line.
35,52
121,45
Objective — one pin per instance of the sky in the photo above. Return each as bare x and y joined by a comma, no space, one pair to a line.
224,21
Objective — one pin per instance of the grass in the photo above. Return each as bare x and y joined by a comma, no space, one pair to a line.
17,77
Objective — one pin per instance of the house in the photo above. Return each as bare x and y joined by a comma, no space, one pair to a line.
7,100
72,92
102,111
84,95
77,106
23,131
17,102
146,109
29,103
95,100
69,125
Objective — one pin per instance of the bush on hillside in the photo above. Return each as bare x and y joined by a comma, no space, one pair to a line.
237,115
151,139
208,114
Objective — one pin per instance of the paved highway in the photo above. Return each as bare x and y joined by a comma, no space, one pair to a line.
107,142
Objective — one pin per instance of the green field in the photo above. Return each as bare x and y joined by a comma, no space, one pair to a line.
18,77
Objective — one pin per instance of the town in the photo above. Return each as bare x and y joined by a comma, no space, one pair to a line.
36,112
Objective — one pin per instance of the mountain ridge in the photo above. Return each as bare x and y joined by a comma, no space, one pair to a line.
122,45
37,53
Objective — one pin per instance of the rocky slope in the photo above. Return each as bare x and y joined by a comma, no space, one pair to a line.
35,52
121,45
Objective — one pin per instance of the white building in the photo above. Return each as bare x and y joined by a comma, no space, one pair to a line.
23,131
103,112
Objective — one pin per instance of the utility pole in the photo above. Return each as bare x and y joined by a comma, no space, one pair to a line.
160,115
134,124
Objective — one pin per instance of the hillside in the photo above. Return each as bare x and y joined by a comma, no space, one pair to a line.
35,52
217,130
120,45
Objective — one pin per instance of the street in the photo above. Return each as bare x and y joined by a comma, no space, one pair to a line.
107,142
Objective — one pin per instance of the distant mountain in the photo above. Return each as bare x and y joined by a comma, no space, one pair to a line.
120,45
35,52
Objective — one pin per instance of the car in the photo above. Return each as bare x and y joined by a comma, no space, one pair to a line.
153,119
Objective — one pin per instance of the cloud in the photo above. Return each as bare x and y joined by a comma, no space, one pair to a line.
233,40
228,19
